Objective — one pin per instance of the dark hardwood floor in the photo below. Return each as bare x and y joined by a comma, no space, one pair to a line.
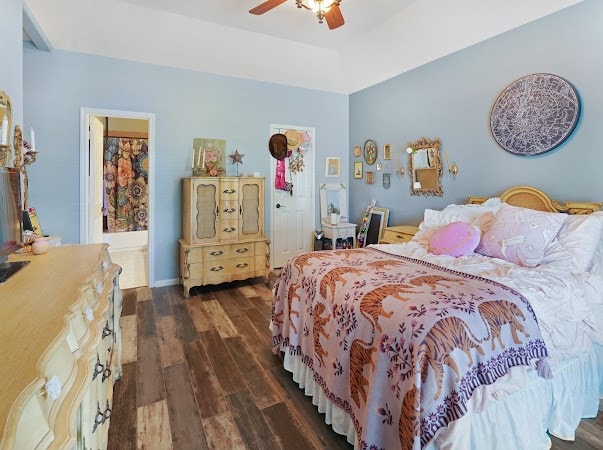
199,374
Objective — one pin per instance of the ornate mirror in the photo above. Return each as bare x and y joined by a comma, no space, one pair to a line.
425,164
333,200
6,123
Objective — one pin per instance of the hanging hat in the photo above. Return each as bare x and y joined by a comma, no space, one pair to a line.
278,146
294,139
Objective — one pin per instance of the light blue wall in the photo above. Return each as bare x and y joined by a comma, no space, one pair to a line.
186,104
451,99
11,45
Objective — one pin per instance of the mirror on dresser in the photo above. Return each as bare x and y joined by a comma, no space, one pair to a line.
333,203
425,165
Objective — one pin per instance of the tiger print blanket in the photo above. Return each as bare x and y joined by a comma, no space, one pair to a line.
399,344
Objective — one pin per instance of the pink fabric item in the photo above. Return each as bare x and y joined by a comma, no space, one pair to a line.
455,239
279,179
520,235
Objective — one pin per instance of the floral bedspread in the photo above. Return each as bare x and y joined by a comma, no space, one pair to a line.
399,344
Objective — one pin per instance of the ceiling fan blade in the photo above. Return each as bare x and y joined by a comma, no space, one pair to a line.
334,17
266,6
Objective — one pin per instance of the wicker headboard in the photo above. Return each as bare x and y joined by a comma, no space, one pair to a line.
529,197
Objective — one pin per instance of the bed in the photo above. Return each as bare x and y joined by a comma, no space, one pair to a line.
405,346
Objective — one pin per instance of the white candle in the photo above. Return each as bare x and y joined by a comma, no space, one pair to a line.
193,161
32,139
203,166
4,131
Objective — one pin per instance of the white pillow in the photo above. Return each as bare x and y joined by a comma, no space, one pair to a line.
477,215
574,246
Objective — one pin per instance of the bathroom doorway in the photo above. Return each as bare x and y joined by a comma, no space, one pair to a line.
117,180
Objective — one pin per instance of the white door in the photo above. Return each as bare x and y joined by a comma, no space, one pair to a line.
292,217
132,250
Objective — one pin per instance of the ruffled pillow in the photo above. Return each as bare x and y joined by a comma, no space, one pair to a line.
520,235
575,244
455,239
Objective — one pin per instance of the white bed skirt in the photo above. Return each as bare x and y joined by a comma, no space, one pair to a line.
518,420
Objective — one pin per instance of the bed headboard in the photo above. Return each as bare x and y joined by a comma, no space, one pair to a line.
529,197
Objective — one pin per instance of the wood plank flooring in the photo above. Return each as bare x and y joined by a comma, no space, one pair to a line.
199,374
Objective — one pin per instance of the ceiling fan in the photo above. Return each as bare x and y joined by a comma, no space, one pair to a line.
324,9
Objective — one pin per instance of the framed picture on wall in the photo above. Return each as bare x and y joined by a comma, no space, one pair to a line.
358,169
357,151
387,151
332,166
370,178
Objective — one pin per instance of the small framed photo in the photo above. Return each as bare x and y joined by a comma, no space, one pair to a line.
370,178
357,151
387,151
358,169
379,166
332,166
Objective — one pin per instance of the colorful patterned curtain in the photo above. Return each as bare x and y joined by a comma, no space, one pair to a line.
126,184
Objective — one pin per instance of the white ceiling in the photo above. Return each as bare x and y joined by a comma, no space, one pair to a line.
380,39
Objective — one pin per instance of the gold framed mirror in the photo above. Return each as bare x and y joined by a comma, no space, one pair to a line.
6,124
425,164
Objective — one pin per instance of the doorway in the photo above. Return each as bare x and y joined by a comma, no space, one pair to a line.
292,214
117,177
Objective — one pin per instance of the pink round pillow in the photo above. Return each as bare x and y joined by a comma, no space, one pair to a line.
454,239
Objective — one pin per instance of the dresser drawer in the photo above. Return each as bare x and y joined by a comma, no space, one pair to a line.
216,253
242,268
395,235
243,250
229,229
195,255
229,210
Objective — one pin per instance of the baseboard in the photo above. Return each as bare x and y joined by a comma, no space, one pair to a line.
170,282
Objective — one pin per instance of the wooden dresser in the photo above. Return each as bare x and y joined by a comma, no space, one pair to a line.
61,349
222,231
398,234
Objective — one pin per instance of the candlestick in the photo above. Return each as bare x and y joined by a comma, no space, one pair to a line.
32,138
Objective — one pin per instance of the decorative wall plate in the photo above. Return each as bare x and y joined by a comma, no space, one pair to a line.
534,114
370,151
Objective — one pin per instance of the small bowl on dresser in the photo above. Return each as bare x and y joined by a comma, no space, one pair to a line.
40,246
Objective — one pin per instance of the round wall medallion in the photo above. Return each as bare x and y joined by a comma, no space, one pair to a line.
534,114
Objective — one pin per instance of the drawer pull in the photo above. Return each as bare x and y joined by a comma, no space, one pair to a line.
107,412
98,368
242,250
229,229
216,269
107,331
229,210
53,387
229,191
99,418
106,373
218,253
241,265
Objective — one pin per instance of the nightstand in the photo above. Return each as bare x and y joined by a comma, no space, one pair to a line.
342,235
396,235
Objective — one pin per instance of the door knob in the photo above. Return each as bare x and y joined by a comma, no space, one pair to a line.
278,205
